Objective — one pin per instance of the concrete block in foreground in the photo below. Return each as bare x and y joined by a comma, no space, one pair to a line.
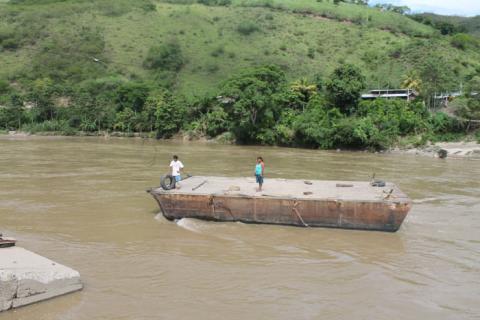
26,277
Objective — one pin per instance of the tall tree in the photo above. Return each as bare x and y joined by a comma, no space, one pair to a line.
248,100
345,86
437,76
471,110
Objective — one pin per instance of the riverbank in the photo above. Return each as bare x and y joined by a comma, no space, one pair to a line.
79,134
462,149
223,138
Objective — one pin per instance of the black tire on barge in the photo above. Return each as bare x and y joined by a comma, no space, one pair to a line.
167,182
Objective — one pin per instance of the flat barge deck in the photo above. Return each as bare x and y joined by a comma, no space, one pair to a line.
313,203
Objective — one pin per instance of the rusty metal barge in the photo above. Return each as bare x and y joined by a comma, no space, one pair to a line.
334,204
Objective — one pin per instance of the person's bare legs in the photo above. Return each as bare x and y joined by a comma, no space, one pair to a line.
177,183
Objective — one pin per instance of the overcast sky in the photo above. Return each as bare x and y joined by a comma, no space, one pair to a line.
449,7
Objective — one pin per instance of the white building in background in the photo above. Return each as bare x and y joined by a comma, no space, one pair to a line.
404,94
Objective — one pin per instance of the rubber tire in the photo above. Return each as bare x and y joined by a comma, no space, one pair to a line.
442,153
378,183
167,182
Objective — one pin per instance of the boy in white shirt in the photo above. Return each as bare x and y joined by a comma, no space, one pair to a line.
176,166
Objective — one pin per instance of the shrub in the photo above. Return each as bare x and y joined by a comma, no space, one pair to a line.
269,16
470,104
4,86
316,126
216,122
370,135
168,112
471,109
113,9
284,129
11,43
442,123
395,117
95,101
132,95
212,68
266,136
27,2
464,41
378,124
165,57
9,39
247,28
125,120
48,126
218,51
311,53
226,138
11,117
148,6
215,2
344,133
261,3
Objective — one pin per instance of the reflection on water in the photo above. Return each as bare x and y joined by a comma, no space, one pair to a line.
82,202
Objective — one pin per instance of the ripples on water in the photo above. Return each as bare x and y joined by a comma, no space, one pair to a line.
81,202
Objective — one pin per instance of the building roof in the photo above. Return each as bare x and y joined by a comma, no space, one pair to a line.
390,93
386,95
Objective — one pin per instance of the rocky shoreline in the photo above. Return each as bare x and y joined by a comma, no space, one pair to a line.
465,149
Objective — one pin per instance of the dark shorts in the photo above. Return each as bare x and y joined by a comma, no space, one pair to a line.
259,179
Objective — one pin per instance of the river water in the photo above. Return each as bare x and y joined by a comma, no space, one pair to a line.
82,202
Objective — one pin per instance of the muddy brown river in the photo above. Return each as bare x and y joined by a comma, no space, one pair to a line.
82,202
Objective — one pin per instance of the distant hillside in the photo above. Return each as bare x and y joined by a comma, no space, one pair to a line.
469,25
472,25
72,41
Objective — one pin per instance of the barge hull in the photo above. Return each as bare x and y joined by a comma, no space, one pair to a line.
373,213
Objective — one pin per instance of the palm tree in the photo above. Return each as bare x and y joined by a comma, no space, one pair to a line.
304,89
412,81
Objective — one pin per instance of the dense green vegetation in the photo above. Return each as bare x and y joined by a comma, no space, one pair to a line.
286,72
256,106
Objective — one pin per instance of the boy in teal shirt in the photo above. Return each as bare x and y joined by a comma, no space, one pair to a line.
259,170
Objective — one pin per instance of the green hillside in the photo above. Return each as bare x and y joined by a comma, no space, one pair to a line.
304,37
472,25
469,25
126,65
